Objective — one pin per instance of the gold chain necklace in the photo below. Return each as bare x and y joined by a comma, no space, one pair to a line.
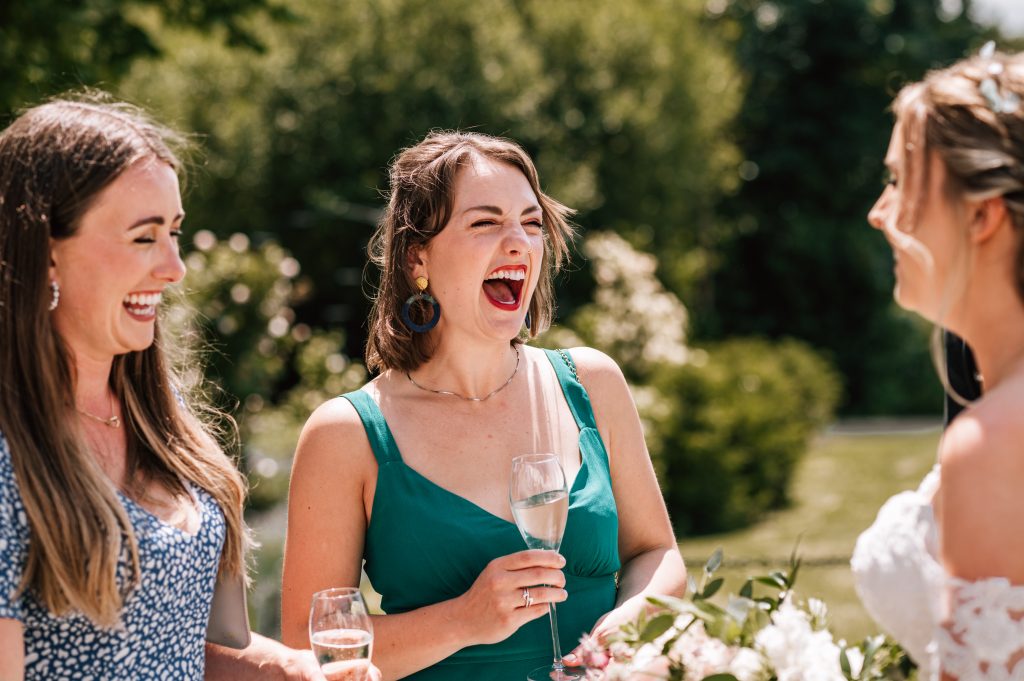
463,397
113,422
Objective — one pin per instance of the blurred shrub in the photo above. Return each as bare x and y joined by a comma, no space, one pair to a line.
732,425
270,372
727,424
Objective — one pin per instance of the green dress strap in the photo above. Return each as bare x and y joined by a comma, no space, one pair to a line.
377,432
575,394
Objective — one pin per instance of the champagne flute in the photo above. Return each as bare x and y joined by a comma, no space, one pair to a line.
540,506
341,634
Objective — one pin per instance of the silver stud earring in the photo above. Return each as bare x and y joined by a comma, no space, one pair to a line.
55,295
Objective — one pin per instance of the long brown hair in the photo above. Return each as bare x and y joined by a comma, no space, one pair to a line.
54,160
422,184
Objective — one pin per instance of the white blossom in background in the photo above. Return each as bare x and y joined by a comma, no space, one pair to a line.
633,318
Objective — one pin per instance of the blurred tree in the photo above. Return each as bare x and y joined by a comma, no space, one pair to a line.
726,423
813,129
623,105
51,45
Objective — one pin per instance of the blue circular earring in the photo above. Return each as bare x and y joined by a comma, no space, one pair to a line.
421,284
528,321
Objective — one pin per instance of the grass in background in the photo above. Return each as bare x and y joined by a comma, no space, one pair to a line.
837,491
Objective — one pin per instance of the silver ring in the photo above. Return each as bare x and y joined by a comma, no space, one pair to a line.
527,598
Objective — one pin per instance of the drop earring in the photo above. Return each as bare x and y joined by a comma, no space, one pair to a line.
421,284
54,295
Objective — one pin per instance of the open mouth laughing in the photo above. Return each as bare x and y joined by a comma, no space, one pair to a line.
504,286
142,306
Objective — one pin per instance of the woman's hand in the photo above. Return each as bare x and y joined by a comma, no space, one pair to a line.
301,665
609,623
268,660
495,606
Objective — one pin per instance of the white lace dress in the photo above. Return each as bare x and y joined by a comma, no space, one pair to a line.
969,630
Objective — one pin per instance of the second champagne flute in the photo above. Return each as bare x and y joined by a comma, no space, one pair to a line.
341,634
540,505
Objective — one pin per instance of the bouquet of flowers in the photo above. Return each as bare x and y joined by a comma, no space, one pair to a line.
754,637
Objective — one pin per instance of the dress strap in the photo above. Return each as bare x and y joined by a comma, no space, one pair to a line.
377,431
575,394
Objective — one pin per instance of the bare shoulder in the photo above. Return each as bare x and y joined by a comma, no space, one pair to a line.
596,369
607,388
986,440
333,434
982,475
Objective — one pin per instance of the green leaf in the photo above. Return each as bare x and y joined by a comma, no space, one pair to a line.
714,562
709,609
844,664
739,608
771,580
712,588
656,627
669,602
748,589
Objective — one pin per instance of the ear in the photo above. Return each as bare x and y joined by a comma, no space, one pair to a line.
416,261
986,218
52,272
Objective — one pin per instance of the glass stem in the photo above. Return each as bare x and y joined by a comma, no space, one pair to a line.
557,664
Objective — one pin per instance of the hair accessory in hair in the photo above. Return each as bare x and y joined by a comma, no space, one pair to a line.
1000,102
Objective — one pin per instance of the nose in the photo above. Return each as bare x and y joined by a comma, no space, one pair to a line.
876,216
170,268
517,241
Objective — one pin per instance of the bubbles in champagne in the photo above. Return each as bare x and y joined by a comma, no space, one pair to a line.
343,654
541,518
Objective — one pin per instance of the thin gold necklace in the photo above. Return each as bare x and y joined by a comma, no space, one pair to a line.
113,422
463,397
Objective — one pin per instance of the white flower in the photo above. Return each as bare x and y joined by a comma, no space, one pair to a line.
795,651
699,654
856,659
747,665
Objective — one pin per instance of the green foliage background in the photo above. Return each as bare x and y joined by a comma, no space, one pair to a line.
722,155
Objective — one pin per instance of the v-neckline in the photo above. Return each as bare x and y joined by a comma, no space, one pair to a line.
573,490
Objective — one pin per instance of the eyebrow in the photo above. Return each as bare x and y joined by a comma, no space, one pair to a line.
494,210
154,220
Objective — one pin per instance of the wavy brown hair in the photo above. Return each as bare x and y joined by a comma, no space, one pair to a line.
54,160
422,187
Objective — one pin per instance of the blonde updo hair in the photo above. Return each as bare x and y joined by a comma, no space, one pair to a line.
979,137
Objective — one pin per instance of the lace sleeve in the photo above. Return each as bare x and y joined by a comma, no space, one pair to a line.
983,634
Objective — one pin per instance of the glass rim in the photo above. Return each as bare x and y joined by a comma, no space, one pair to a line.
338,592
535,457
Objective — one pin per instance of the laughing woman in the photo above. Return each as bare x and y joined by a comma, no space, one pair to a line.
118,509
411,473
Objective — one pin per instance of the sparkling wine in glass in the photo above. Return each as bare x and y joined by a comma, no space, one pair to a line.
341,634
540,505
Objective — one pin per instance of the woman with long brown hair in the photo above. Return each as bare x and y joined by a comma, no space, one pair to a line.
119,510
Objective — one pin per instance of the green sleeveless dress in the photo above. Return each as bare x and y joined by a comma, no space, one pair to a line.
426,544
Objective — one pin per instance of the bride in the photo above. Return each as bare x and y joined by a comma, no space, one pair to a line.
942,568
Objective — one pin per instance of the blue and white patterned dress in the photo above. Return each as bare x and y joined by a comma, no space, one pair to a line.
162,630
